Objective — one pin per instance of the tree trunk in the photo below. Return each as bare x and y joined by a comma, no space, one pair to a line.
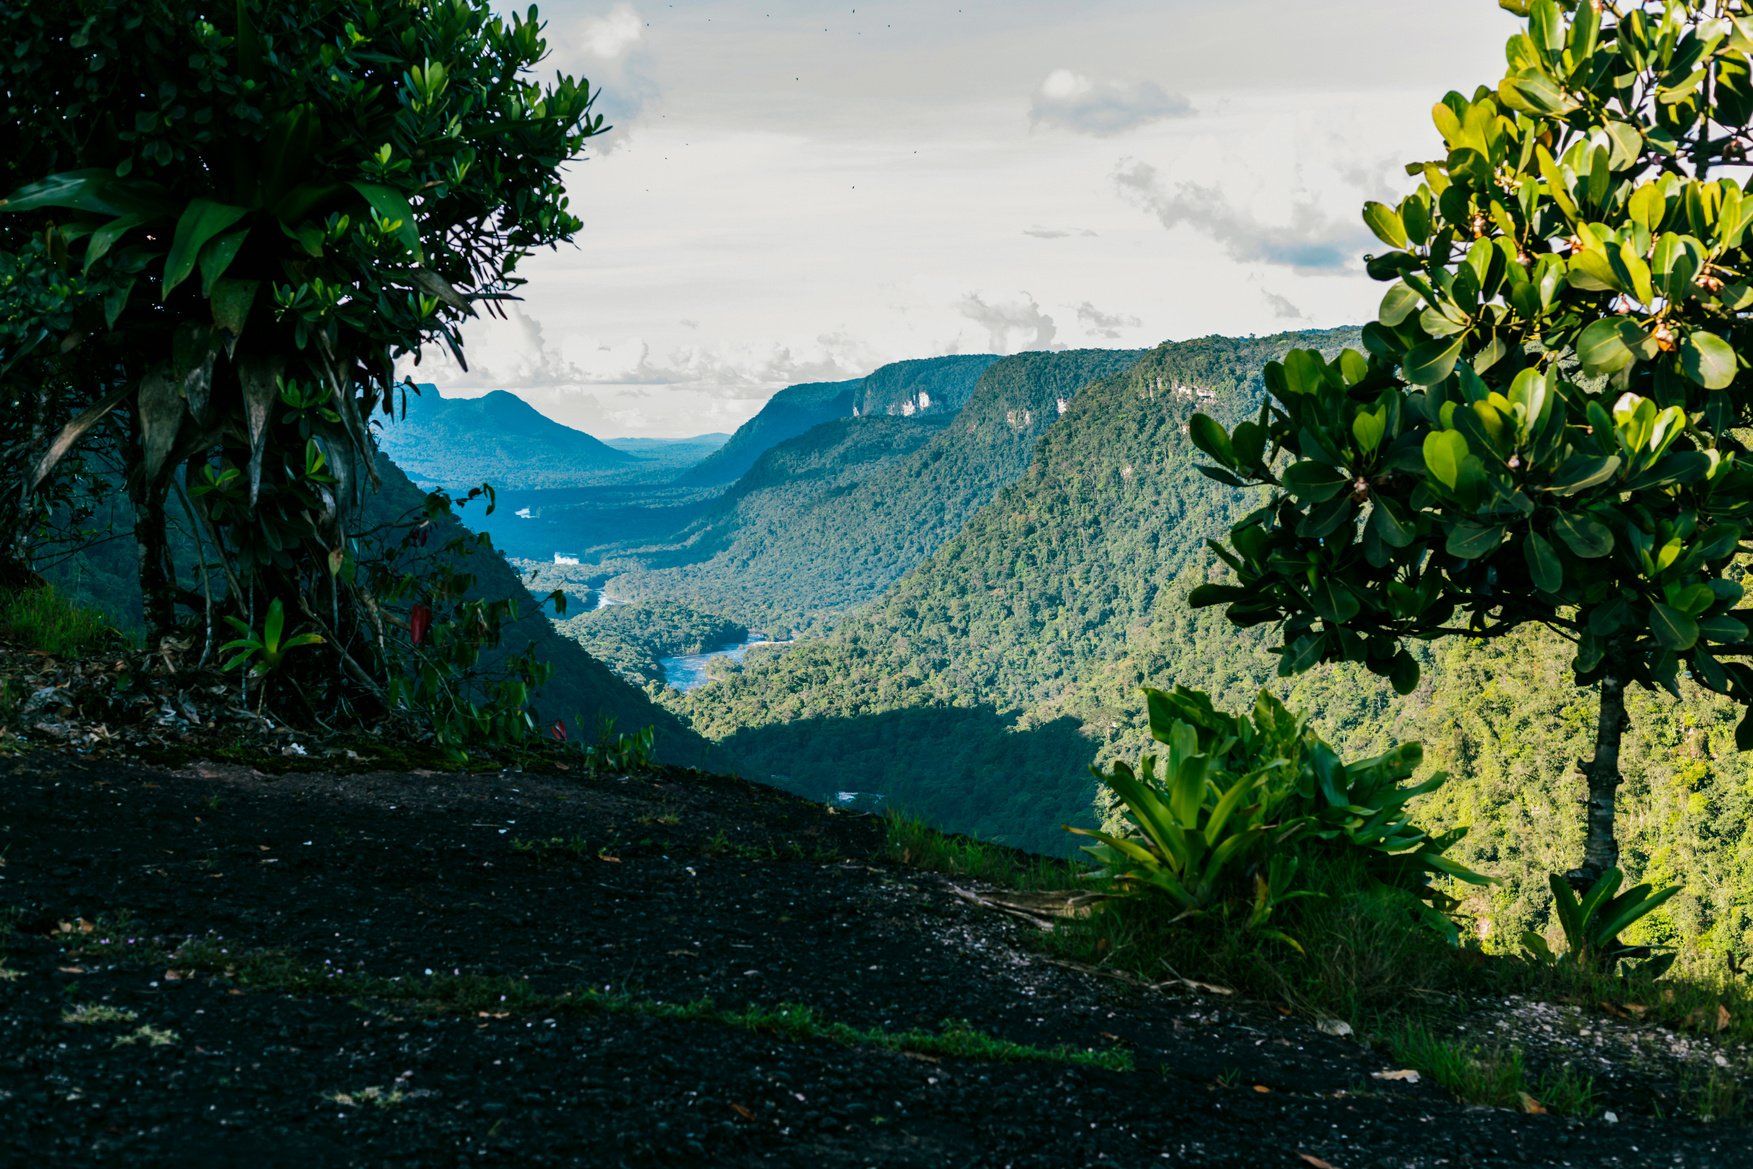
157,595
1600,849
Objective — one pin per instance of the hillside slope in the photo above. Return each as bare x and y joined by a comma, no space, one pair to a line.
790,555
583,690
497,438
787,414
979,687
924,386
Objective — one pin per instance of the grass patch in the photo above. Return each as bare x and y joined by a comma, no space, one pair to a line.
1493,1076
495,995
96,1014
42,619
374,1096
1717,1094
912,842
149,1035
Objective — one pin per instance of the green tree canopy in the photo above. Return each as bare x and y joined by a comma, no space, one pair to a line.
227,223
1548,424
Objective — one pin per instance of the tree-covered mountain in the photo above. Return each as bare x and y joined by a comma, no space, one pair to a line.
923,386
1029,622
497,438
786,414
942,384
786,551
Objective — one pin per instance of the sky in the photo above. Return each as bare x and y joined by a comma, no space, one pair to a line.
798,192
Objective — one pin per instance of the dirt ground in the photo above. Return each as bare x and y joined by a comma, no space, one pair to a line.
138,1028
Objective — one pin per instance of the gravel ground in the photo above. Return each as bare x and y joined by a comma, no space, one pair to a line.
658,891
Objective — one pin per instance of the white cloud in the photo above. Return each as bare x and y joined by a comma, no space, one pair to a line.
611,37
1282,308
1310,242
1109,325
1021,319
1071,101
610,51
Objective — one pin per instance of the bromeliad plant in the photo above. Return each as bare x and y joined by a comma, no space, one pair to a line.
1593,922
1548,426
1219,826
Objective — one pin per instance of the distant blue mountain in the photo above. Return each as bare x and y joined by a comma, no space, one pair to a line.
497,438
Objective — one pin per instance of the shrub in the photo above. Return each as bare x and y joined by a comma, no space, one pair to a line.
1224,826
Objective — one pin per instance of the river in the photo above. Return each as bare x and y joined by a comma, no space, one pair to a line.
688,671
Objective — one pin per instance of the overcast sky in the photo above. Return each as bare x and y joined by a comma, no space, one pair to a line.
801,192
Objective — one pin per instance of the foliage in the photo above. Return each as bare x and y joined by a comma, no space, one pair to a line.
620,754
255,211
1593,922
811,530
1242,801
1547,427
1028,634
264,651
42,619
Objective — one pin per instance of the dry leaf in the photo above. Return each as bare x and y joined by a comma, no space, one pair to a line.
613,860
1405,1075
742,1112
1530,1105
1722,1017
71,969
1261,1088
1311,1159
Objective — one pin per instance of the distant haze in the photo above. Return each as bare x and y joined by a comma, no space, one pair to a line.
801,192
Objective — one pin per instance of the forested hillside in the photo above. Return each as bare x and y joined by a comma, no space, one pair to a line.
787,552
923,386
497,438
927,386
786,414
980,686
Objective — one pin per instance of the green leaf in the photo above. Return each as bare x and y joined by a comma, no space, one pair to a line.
1385,222
1608,345
1443,452
80,190
1398,303
1367,428
1544,566
1581,472
1209,437
217,256
1672,629
107,236
1315,482
391,204
1708,360
1587,537
1470,541
1433,361
231,301
200,221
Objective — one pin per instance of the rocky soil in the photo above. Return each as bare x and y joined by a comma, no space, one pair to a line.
213,966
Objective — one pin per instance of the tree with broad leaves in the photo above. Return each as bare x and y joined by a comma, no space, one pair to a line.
251,211
1549,424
